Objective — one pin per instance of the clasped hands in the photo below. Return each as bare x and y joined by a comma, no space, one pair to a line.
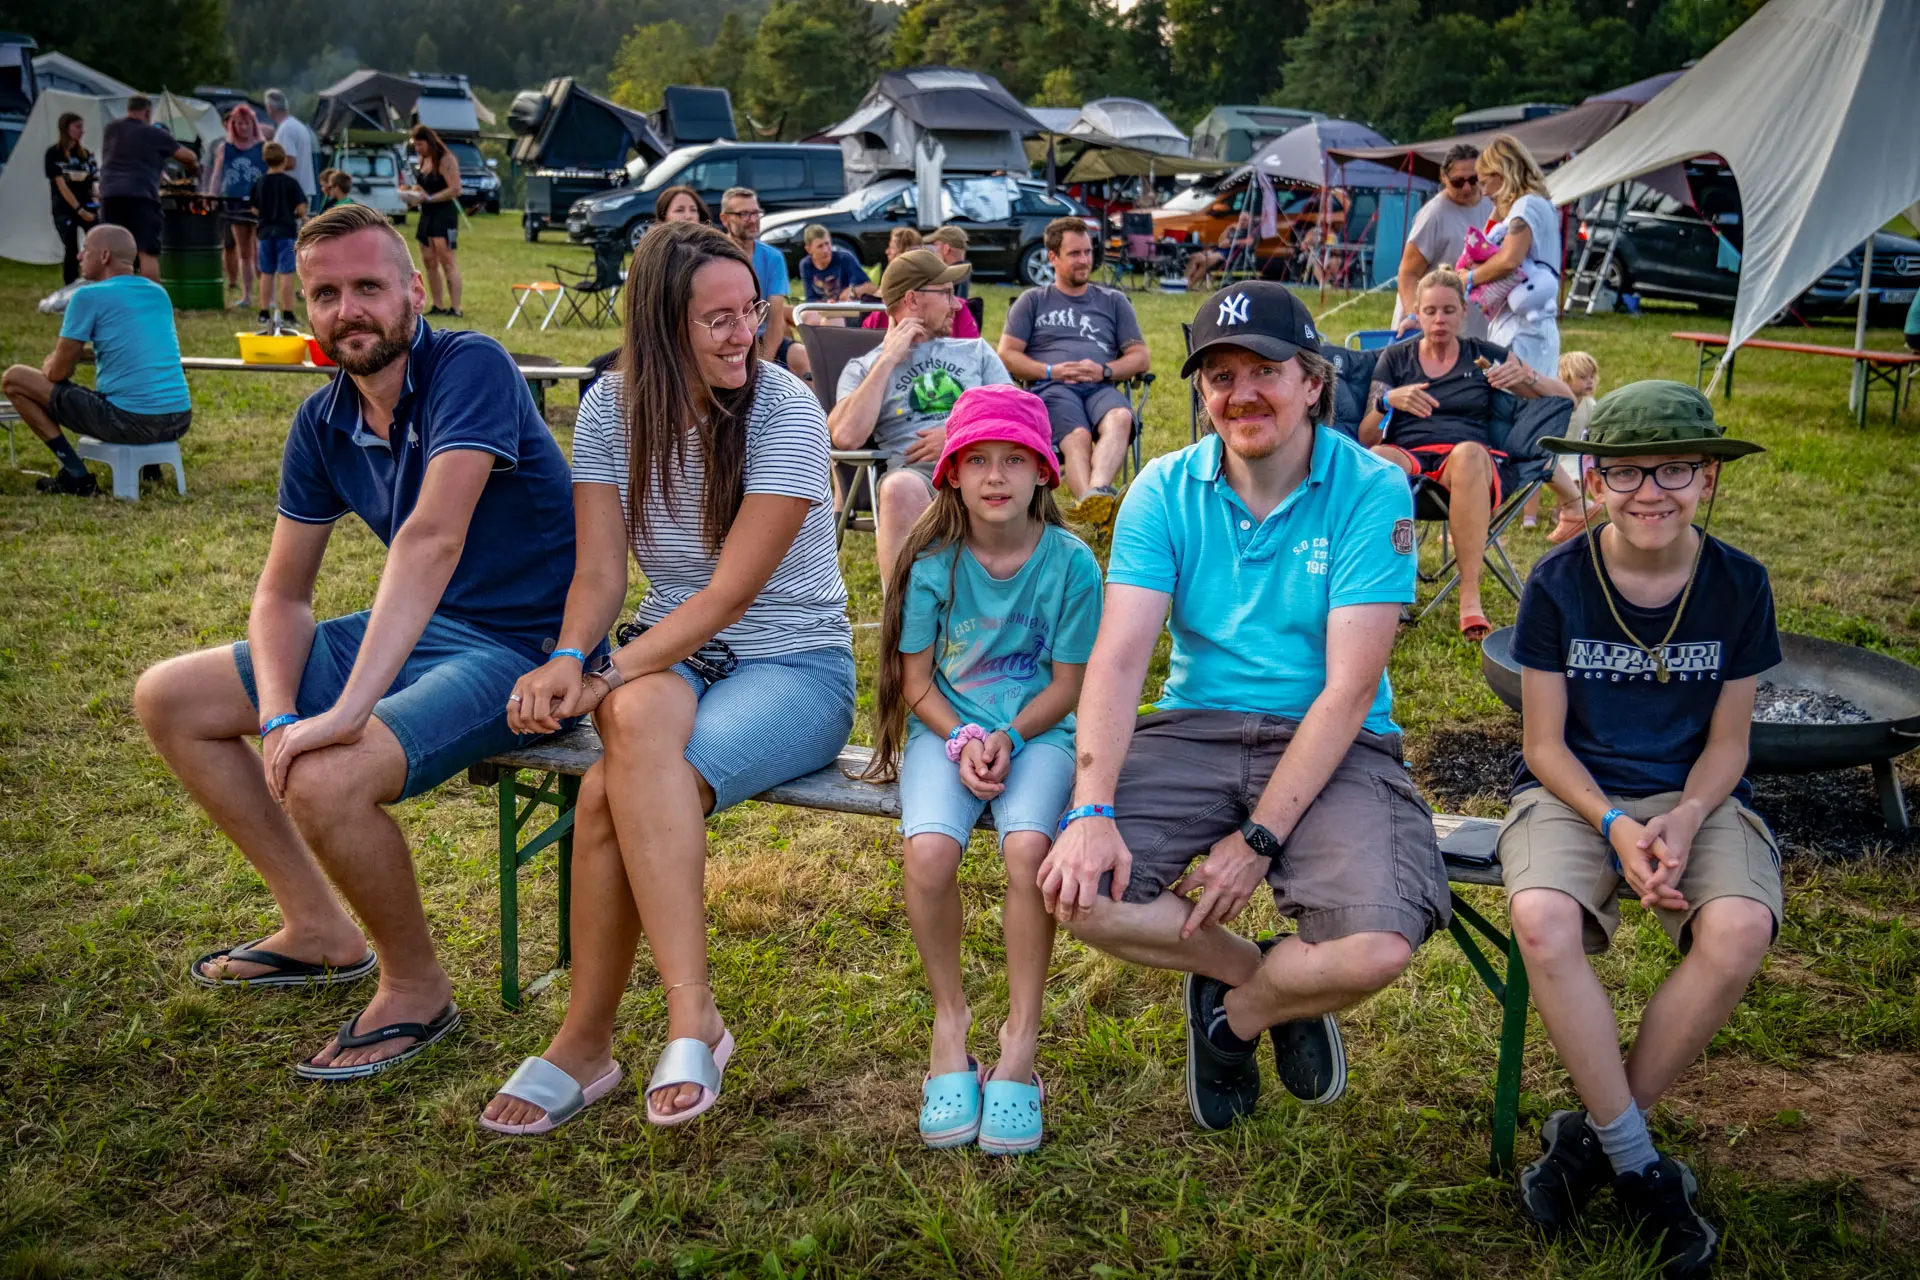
559,690
1653,855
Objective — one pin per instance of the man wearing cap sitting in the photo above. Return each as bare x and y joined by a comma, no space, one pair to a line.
899,394
1279,552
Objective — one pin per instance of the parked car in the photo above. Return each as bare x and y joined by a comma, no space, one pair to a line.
785,176
1670,248
479,184
375,169
1005,220
1203,212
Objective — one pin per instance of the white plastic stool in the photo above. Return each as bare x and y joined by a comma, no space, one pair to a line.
125,460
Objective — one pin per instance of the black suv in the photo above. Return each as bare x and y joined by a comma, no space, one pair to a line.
784,175
1004,218
1670,248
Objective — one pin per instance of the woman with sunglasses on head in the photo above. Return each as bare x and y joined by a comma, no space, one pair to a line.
711,466
1439,233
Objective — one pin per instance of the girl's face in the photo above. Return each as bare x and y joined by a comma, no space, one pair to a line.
683,208
75,129
1581,384
421,149
721,322
996,481
1441,314
1652,516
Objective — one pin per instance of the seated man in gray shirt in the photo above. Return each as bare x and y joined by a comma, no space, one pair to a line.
899,395
1074,340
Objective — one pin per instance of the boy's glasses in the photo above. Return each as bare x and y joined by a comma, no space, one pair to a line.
1670,476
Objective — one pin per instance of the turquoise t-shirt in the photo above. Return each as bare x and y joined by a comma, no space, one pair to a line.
1250,599
1001,638
129,321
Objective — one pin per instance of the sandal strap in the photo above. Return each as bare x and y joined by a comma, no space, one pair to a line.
688,1060
352,1039
545,1086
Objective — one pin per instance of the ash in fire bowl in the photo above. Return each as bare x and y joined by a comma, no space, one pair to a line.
1788,704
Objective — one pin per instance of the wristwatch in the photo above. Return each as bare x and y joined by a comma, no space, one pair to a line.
609,675
1259,839
1106,373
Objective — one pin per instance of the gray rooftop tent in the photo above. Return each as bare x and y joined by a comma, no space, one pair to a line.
365,102
1235,133
565,127
966,117
1140,125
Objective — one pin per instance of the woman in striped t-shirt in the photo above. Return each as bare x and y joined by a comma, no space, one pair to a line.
712,466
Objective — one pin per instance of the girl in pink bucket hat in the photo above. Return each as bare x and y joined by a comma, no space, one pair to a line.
989,621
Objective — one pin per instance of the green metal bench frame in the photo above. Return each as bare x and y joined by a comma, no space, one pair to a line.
557,764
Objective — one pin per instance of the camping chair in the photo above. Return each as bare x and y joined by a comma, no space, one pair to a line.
977,305
856,472
1370,339
1139,255
591,297
1138,390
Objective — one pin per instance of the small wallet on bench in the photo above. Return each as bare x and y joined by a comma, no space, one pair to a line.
1472,843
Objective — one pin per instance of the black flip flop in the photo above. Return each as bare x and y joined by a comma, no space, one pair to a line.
424,1034
1221,1087
287,972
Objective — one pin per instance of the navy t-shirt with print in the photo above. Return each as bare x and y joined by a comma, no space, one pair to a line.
1636,736
462,392
825,284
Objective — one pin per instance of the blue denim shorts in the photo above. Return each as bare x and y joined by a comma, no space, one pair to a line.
933,800
771,721
274,257
448,705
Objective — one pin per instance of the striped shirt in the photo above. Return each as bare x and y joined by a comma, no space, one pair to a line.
804,604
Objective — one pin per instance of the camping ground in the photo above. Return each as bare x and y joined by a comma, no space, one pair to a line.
154,1129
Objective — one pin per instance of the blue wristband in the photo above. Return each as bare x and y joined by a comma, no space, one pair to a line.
1607,820
1085,811
278,722
1013,736
575,654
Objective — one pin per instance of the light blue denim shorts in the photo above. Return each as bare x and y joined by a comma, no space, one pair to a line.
771,721
933,800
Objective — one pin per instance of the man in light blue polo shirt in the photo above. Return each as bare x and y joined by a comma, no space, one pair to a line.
1279,552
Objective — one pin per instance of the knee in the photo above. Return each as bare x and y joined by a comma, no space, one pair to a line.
1076,442
1546,923
932,858
156,695
655,711
1102,924
321,785
901,498
1376,959
14,380
1118,422
1733,933
1470,458
1023,852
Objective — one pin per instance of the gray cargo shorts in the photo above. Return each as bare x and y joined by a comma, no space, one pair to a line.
1362,858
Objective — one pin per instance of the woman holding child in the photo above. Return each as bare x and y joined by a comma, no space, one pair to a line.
711,466
1525,231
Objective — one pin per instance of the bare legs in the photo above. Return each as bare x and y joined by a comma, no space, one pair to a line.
902,497
246,247
30,391
441,265
1086,465
1468,477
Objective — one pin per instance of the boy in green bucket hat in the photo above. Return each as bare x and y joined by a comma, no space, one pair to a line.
1640,647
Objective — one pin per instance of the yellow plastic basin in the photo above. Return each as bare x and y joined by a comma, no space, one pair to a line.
269,348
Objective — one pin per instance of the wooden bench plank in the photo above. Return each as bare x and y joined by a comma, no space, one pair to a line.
1808,348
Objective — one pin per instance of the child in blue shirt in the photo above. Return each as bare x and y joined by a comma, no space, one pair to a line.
990,619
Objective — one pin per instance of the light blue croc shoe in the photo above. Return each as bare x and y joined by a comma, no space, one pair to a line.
1010,1123
950,1108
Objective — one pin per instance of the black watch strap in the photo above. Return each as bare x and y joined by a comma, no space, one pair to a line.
1259,839
1106,373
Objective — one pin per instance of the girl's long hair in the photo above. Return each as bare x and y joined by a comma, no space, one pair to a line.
436,149
70,146
660,382
243,126
943,525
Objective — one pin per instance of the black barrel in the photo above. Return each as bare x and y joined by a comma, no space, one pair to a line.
190,269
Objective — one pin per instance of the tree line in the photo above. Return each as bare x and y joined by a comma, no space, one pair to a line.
794,67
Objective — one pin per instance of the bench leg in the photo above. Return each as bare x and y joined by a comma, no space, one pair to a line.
1513,1050
515,818
570,790
510,888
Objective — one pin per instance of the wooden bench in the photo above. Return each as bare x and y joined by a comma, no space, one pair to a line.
1893,369
560,761
539,376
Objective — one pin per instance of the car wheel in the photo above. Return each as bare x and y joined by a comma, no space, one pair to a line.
1617,278
636,229
1034,267
493,207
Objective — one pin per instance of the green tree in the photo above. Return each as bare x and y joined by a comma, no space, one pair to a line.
1058,89
167,44
650,59
812,60
1232,50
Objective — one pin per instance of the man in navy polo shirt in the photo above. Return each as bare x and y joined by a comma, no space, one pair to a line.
1279,553
432,440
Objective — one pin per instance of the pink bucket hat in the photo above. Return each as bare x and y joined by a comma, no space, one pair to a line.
1002,413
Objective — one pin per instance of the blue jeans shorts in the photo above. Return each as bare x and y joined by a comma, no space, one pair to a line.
933,800
274,257
448,705
771,721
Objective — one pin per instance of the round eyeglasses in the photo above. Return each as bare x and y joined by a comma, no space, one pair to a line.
723,325
1668,475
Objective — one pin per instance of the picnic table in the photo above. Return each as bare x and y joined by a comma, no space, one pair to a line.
539,375
1893,369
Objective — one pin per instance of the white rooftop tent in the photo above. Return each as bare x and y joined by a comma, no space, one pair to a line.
977,124
57,71
1810,104
26,225
1138,124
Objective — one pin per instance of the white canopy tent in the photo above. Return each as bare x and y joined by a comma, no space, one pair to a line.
1809,104
26,222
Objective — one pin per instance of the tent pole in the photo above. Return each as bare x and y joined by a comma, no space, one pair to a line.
1858,387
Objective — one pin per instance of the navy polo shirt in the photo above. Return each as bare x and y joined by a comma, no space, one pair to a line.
462,392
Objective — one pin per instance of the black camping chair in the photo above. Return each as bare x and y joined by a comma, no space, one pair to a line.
856,472
593,296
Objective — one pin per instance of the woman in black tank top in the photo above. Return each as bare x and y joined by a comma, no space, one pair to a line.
437,197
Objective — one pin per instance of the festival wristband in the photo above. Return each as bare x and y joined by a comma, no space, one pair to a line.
1013,736
1469,277
963,734
278,722
1606,823
1049,374
575,654
1078,812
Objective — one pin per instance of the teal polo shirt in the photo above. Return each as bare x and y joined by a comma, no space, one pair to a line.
1250,598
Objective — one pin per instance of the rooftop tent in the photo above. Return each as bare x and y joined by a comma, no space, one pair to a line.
1106,158
365,102
57,71
1807,103
1235,133
447,105
1301,158
968,115
1138,124
1055,119
1550,139
565,127
692,113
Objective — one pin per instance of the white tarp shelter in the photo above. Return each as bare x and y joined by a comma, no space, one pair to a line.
26,221
57,71
1810,103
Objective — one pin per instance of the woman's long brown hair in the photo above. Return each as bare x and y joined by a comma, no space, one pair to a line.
943,525
661,387
69,146
436,149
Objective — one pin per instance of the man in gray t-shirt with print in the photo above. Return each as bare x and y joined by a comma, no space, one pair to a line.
1438,234
896,398
1075,340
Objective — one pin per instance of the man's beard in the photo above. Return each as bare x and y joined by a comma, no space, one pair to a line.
391,345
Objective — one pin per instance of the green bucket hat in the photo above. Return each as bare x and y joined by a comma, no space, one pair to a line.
1653,417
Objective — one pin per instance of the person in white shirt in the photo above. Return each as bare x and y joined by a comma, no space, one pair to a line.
296,140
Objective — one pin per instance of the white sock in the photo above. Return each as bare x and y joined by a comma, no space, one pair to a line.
1625,1139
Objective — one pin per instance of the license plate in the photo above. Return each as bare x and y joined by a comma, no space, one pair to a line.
1896,295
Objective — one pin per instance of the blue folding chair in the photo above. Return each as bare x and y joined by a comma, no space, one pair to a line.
1370,339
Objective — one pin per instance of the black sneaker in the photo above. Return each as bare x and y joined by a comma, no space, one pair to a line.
1660,1200
1308,1054
436,311
64,481
1555,1188
1221,1087
266,319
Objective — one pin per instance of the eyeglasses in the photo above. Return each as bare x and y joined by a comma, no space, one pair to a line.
947,293
1457,184
745,215
722,326
1670,476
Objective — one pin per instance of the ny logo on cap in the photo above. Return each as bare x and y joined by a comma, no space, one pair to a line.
1233,309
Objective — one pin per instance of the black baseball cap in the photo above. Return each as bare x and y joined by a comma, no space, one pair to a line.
1261,316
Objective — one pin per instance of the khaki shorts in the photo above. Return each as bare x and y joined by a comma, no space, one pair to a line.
1362,858
1545,844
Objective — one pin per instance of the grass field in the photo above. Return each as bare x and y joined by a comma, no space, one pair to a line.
151,1129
